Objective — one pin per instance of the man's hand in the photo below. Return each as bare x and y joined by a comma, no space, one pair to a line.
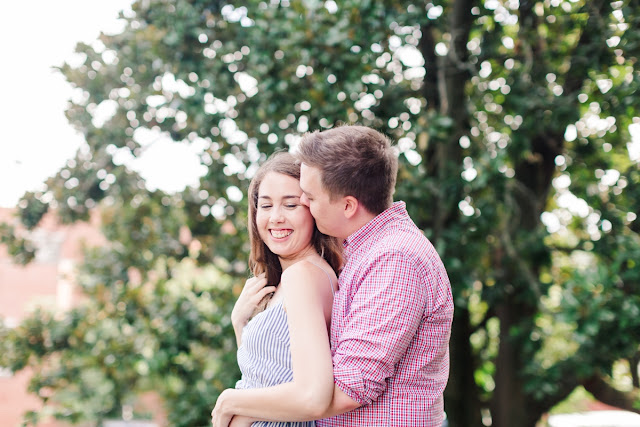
240,421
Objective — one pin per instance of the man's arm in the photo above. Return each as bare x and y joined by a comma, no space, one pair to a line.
382,320
340,404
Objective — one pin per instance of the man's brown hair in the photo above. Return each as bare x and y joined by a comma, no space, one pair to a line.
261,259
354,161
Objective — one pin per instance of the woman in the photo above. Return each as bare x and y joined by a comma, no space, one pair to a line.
286,343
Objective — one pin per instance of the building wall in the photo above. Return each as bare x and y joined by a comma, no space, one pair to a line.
46,282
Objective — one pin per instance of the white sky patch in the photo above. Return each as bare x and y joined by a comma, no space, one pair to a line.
365,102
156,100
575,205
39,141
167,165
562,182
571,133
234,193
604,85
247,83
146,137
104,112
434,12
170,84
470,174
610,177
410,56
634,146
466,208
331,6
413,157
551,221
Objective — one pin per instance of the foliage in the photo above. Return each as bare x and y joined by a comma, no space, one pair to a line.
512,121
171,334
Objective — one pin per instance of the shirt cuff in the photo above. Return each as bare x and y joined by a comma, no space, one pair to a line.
350,381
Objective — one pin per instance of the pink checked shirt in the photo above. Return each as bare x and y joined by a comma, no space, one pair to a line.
390,326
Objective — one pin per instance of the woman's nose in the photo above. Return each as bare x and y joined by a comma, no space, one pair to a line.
276,214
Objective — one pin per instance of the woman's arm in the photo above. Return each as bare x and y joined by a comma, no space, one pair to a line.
240,421
308,300
254,290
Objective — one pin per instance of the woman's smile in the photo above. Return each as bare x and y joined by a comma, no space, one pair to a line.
284,224
280,233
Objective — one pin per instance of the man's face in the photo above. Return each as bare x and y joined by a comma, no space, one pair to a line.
328,214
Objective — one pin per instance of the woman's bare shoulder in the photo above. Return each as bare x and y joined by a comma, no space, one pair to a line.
310,273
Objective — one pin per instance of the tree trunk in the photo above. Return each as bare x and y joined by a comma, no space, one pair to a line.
634,365
509,405
461,396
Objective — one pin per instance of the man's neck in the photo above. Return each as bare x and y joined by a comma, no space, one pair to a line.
359,220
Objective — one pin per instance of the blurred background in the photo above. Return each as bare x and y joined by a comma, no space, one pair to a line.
125,160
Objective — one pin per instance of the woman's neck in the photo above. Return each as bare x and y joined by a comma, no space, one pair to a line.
307,254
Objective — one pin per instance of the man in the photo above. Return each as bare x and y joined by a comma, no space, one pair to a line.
391,319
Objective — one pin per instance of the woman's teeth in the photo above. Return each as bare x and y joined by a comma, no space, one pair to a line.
279,234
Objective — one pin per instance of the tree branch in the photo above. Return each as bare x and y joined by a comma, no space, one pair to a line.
605,393
591,38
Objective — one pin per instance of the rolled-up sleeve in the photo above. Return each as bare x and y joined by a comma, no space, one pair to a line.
380,320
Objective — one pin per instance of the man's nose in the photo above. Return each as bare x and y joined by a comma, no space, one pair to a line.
304,200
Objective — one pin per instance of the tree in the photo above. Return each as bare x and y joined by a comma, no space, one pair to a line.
512,121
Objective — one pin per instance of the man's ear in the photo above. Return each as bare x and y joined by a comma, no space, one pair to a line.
351,205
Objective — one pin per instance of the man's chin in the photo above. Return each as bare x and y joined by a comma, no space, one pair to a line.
325,231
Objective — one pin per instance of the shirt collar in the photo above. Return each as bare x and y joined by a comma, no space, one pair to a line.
396,211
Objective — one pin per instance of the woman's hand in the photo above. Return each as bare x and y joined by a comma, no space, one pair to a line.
254,290
220,417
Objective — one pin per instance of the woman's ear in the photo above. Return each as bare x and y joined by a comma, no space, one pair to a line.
350,206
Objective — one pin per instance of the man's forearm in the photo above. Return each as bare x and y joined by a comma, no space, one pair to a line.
340,403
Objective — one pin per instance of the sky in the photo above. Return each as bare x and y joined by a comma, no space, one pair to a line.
36,140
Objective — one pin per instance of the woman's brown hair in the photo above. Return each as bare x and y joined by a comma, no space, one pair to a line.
261,259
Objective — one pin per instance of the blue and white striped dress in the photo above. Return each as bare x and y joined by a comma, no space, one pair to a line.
264,357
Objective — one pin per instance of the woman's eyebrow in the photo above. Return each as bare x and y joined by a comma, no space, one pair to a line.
284,197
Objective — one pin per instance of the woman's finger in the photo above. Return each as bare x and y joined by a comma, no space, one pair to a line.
264,291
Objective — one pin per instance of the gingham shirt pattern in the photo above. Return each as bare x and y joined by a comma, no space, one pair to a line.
390,326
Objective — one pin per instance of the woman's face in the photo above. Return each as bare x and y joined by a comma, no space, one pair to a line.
285,225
